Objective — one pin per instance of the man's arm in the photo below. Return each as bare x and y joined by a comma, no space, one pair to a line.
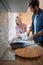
41,32
30,29
38,34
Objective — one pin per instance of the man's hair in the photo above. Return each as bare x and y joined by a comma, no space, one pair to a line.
34,3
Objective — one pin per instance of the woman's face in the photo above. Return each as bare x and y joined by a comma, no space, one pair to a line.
19,21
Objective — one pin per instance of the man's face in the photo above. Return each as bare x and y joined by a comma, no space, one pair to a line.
32,9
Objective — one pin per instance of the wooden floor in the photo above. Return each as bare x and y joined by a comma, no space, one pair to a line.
23,61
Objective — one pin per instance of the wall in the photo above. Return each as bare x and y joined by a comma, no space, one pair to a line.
41,4
12,24
3,30
26,18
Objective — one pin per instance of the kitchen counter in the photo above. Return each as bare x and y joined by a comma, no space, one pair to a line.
16,60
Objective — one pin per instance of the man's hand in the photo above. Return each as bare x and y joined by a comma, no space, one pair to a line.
28,33
35,35
31,38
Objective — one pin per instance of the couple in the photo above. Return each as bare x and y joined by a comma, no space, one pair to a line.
37,23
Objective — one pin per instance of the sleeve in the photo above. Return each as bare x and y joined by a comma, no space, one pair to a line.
30,27
17,30
42,23
31,24
25,28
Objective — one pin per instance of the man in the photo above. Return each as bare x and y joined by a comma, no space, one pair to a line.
37,22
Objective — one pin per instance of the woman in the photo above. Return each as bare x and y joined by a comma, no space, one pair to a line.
20,27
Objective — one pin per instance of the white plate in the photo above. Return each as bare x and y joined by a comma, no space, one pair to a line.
26,42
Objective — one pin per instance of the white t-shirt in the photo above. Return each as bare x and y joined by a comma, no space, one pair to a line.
35,21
